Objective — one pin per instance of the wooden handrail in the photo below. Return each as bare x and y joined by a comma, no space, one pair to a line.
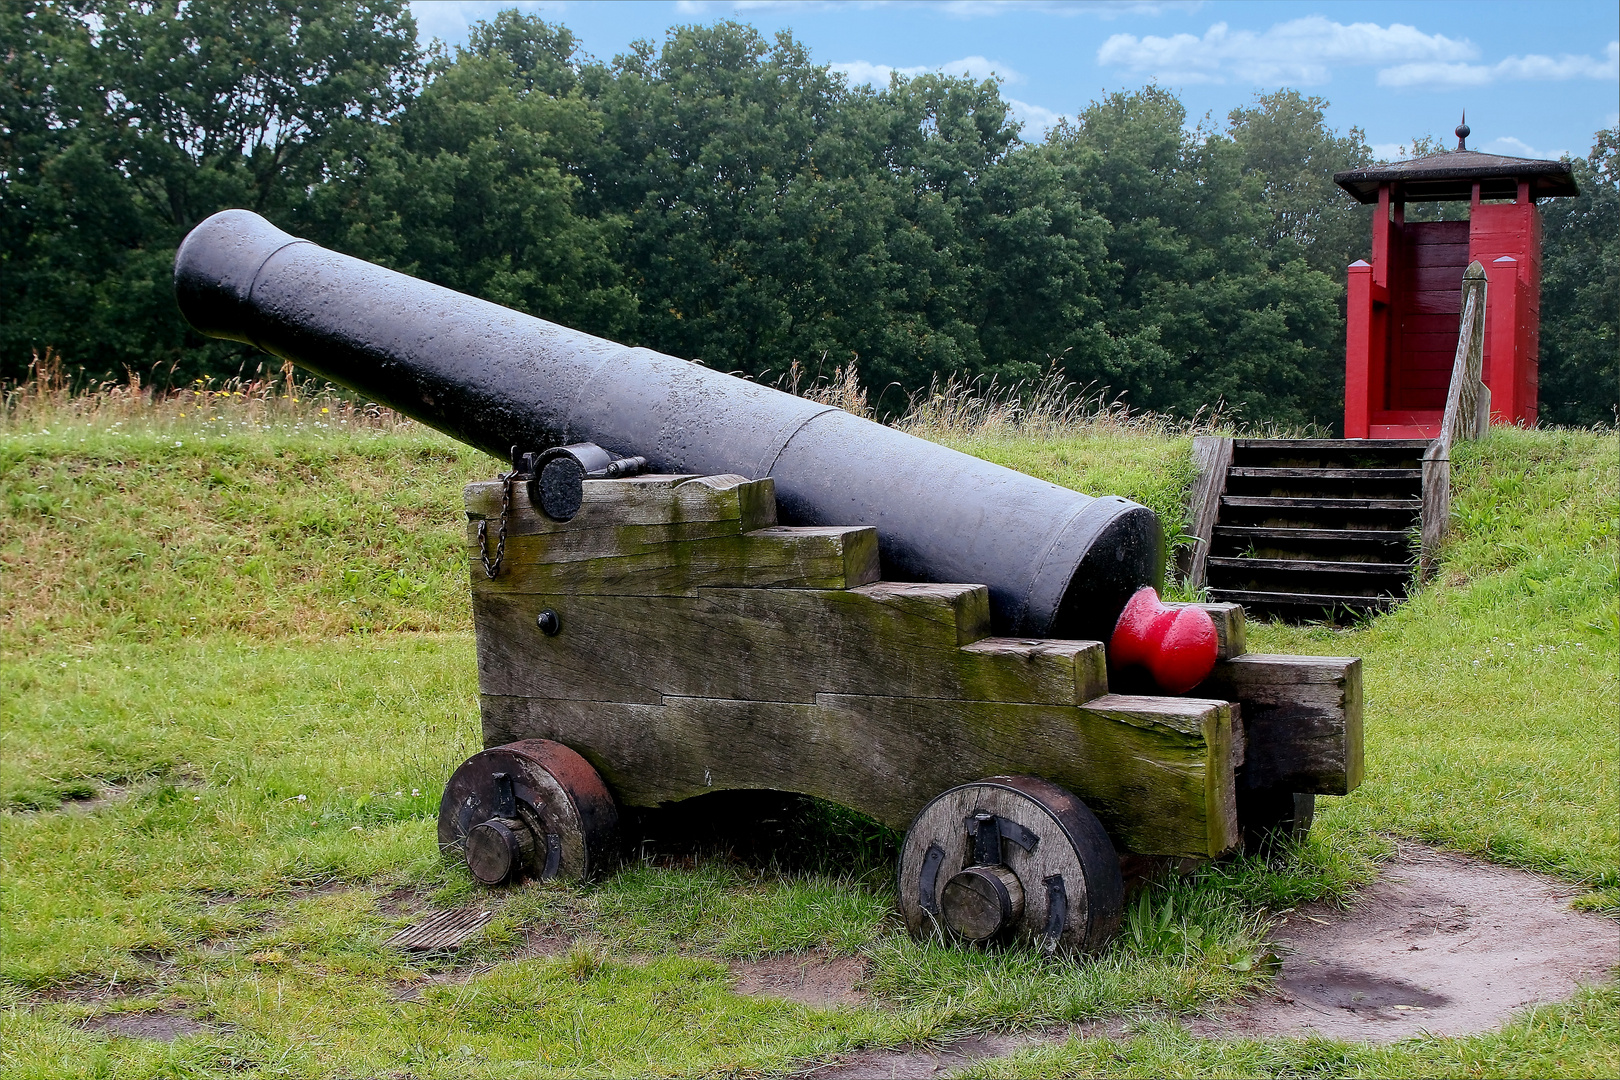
1465,418
1468,413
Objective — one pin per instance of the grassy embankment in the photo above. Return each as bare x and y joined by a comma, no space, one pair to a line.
235,669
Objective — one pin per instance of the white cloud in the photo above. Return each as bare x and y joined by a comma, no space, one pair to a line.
859,71
449,20
1532,67
707,7
974,67
1302,51
1037,120
1509,146
1387,151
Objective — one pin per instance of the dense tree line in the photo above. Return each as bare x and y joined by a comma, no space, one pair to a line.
1580,293
717,195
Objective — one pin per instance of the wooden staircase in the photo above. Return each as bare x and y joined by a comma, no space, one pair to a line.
1319,528
1311,528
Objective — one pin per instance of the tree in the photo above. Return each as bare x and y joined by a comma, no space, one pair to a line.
145,117
1580,293
474,184
1196,311
1289,148
778,214
716,195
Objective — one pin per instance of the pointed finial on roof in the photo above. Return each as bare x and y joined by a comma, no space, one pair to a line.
1463,132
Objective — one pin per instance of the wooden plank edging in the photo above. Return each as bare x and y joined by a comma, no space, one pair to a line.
1213,456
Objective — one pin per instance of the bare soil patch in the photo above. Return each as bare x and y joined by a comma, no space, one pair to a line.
104,796
825,982
157,1025
404,901
89,991
926,1063
542,945
1439,944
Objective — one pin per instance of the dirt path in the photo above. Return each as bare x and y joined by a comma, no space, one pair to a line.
1438,943
921,1063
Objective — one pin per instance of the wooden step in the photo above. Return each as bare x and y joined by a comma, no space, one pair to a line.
1354,536
1251,598
1267,473
1307,445
1326,454
1314,566
1290,502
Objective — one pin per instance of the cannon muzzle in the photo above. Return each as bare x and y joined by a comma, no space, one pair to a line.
1057,563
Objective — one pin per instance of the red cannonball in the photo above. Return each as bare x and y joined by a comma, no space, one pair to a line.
1136,634
1187,651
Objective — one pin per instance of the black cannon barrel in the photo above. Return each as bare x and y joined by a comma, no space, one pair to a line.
1058,563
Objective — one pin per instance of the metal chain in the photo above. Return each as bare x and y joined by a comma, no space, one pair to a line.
493,566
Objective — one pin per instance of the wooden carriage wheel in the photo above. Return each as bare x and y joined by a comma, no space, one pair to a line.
1011,858
528,809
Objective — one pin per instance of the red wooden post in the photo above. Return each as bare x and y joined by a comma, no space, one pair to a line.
1502,339
1358,351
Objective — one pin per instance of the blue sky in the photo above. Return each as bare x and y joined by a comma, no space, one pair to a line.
1537,79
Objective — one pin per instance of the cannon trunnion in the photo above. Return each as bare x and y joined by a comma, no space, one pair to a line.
681,641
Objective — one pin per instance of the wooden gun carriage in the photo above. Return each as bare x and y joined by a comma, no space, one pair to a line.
680,641
796,600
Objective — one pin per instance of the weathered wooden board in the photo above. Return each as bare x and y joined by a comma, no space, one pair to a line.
652,499
786,645
1302,719
1157,771
1036,669
668,560
1213,457
1435,517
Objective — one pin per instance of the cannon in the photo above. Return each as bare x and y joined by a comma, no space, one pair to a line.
690,583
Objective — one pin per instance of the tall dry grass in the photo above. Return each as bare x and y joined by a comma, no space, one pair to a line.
1051,407
953,409
46,397
956,409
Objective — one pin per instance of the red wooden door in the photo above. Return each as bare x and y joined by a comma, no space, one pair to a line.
1429,313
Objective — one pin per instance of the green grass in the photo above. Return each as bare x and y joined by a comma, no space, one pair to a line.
267,698
184,531
1491,697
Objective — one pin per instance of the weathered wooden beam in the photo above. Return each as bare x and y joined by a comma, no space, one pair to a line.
1157,771
652,499
1212,455
669,560
1302,719
887,639
1435,519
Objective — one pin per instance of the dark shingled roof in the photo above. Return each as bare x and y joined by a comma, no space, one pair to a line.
1451,175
